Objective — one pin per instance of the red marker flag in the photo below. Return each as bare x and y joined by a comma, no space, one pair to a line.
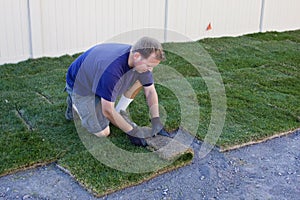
209,27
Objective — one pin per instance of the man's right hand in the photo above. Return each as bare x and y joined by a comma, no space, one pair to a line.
156,125
137,136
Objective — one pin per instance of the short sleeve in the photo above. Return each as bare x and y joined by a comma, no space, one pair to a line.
146,78
106,87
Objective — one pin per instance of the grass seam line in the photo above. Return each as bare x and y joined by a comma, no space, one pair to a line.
44,97
24,121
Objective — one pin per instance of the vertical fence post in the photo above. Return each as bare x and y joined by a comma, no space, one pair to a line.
166,21
262,14
35,27
29,29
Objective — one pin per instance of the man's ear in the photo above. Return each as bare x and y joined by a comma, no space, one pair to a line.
137,56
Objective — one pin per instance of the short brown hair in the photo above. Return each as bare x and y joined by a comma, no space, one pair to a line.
146,46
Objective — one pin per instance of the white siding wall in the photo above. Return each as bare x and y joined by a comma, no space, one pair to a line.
14,31
36,28
227,17
281,15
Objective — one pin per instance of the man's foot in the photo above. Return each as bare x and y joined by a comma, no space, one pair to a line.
69,115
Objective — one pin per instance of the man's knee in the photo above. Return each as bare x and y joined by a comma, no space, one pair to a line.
104,133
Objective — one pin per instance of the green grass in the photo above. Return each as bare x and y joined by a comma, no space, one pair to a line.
261,76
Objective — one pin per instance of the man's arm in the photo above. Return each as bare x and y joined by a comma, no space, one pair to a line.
152,100
114,117
108,109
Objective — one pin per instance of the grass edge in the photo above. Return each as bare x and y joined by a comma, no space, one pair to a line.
277,135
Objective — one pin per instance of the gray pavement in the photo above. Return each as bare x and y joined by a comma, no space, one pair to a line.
269,170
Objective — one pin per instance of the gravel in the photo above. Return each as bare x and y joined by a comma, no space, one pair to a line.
269,170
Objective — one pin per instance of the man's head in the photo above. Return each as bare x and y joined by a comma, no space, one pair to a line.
147,46
145,54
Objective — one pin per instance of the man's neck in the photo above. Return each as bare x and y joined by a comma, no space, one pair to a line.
130,60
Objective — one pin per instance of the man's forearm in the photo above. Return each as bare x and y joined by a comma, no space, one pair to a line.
152,100
113,116
116,119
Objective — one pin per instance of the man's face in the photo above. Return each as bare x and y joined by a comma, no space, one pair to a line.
142,65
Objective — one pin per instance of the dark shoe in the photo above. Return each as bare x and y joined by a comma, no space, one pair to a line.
69,113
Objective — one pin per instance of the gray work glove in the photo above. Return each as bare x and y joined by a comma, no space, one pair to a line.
137,137
156,125
158,128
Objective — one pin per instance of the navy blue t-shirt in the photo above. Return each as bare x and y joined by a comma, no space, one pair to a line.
103,70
